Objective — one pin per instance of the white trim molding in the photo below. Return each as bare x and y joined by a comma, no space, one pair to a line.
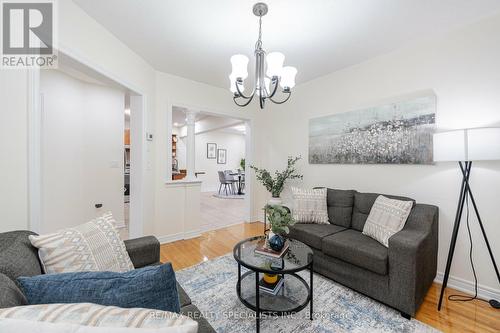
192,234
178,236
35,105
466,286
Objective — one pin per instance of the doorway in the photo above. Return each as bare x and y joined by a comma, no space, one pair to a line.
221,154
77,163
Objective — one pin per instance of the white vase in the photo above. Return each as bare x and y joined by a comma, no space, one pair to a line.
275,201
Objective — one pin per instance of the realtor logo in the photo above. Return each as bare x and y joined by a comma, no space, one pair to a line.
28,34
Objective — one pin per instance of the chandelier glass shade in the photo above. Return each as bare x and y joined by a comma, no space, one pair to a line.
269,72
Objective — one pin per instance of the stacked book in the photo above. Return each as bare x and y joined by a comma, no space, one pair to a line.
272,289
264,249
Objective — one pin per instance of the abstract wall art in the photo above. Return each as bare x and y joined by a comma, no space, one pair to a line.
394,133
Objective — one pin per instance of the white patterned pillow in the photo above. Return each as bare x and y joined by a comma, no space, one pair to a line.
93,246
387,217
309,206
87,317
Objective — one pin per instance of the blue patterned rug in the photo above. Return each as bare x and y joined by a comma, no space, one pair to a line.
211,286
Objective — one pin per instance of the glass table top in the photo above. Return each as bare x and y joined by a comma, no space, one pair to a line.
298,256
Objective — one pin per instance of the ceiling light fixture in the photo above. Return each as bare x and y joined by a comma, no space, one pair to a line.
266,82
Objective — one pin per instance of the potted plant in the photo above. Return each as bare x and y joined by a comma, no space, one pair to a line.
280,220
276,184
242,164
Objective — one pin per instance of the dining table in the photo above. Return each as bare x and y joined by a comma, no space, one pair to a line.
240,176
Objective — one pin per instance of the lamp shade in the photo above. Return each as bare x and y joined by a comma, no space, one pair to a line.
450,146
473,144
240,64
483,144
275,63
288,77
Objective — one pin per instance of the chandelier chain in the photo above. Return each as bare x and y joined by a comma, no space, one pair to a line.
258,45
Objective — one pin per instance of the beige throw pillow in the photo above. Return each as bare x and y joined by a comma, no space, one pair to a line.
87,317
309,206
387,217
93,246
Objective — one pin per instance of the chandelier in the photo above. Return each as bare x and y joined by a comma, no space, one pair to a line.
267,78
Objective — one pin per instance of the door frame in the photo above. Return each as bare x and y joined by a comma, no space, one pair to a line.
138,107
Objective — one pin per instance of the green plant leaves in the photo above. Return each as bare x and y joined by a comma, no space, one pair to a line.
275,185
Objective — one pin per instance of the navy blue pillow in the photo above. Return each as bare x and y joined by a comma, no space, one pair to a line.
152,287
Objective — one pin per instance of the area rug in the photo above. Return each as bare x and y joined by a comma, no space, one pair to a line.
230,196
211,286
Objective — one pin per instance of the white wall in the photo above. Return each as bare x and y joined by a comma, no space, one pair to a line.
82,151
462,68
13,150
235,146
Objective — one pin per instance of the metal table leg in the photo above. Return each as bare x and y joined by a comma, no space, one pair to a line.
312,292
257,301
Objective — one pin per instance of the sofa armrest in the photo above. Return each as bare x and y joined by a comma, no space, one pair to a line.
143,251
413,257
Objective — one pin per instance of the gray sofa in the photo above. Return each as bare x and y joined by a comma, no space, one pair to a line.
398,276
19,258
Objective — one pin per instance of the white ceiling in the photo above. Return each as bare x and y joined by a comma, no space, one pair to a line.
196,38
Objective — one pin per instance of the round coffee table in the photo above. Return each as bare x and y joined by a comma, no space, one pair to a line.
295,294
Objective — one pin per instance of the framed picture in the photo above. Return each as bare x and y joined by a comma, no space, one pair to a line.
396,133
211,151
221,156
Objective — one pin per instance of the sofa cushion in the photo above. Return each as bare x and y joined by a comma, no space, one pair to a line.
312,234
340,203
152,287
17,256
309,205
355,248
363,203
387,217
92,246
10,294
88,317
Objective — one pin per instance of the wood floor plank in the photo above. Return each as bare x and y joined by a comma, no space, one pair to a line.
463,317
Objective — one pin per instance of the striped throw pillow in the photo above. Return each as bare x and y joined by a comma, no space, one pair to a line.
82,317
387,217
93,246
309,206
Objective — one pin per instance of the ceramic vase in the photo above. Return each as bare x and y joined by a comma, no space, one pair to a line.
276,243
275,201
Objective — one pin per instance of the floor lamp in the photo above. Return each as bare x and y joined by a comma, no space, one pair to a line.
465,146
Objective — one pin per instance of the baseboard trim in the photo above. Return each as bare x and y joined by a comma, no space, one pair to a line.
192,234
170,238
178,236
466,286
207,228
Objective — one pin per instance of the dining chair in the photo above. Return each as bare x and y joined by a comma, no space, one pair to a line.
224,182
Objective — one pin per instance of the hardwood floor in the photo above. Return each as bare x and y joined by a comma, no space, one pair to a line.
211,244
217,213
475,316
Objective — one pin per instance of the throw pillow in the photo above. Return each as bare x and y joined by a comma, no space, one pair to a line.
86,318
309,206
152,287
93,246
387,217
